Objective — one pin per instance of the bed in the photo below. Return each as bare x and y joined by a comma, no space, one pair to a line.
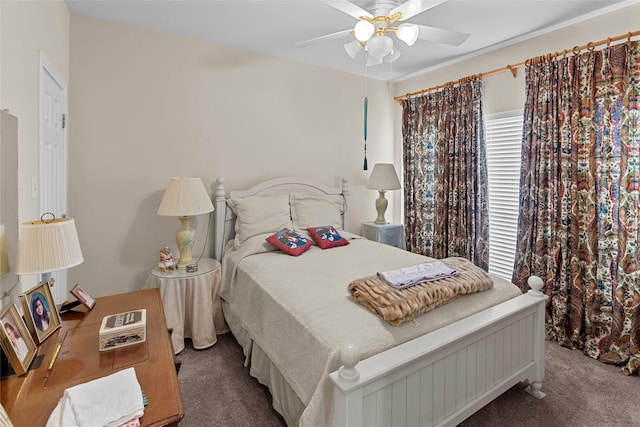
326,359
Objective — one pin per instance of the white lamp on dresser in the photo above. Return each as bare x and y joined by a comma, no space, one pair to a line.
48,245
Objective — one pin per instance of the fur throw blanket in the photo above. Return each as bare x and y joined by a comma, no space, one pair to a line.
396,306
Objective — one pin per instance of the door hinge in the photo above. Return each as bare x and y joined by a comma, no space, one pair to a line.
64,121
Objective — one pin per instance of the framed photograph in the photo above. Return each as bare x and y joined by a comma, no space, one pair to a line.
16,340
40,311
82,296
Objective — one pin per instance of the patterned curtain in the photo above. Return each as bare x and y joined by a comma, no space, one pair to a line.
445,180
580,199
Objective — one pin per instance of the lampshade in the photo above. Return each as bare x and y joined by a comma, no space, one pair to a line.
379,46
408,33
353,48
363,30
185,197
383,177
372,60
4,255
48,245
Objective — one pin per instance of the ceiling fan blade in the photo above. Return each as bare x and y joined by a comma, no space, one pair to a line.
439,35
412,8
348,8
327,37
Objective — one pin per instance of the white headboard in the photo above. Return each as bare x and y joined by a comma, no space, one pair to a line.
225,219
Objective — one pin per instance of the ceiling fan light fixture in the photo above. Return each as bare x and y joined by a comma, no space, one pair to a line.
353,48
408,33
363,30
372,60
380,46
393,56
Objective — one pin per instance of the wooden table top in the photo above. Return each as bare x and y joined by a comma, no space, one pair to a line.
30,399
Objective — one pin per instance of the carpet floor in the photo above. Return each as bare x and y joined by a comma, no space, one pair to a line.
581,392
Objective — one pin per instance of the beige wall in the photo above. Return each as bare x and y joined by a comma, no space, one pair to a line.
28,28
146,106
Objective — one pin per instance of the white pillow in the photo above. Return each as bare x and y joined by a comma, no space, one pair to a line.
259,215
313,211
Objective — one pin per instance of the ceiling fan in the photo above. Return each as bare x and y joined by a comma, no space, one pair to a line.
373,28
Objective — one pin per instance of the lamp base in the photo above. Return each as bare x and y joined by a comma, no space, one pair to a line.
185,238
381,207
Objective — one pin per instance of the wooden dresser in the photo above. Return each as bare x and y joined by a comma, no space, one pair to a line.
30,399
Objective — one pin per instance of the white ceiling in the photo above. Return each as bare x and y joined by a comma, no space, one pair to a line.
272,27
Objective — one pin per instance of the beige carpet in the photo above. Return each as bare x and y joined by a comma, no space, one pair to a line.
218,391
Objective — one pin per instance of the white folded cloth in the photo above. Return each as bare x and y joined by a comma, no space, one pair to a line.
404,277
108,401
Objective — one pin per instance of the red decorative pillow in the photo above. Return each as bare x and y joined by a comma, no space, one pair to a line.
289,242
327,237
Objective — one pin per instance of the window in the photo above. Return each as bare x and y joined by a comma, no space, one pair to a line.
503,143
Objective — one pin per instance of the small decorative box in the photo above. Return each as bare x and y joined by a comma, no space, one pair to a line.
123,329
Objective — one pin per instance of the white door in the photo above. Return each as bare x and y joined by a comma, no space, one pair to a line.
53,156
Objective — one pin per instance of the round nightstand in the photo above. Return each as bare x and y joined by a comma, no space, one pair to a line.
389,234
191,303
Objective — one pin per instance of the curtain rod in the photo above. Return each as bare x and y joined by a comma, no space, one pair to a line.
514,68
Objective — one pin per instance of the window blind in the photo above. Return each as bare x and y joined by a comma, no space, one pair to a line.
503,144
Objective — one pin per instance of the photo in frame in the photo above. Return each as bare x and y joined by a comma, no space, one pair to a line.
83,296
41,312
16,341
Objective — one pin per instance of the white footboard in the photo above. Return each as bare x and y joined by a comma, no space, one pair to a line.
443,377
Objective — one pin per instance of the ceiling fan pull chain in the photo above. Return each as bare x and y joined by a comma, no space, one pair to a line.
366,108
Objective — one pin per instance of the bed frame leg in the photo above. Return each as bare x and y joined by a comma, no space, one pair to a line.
535,390
535,387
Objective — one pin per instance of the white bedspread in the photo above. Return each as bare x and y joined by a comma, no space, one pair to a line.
297,309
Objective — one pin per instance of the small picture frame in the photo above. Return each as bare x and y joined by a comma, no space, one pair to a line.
41,312
83,296
16,341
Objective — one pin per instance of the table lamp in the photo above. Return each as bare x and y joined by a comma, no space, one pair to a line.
383,177
184,198
48,245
